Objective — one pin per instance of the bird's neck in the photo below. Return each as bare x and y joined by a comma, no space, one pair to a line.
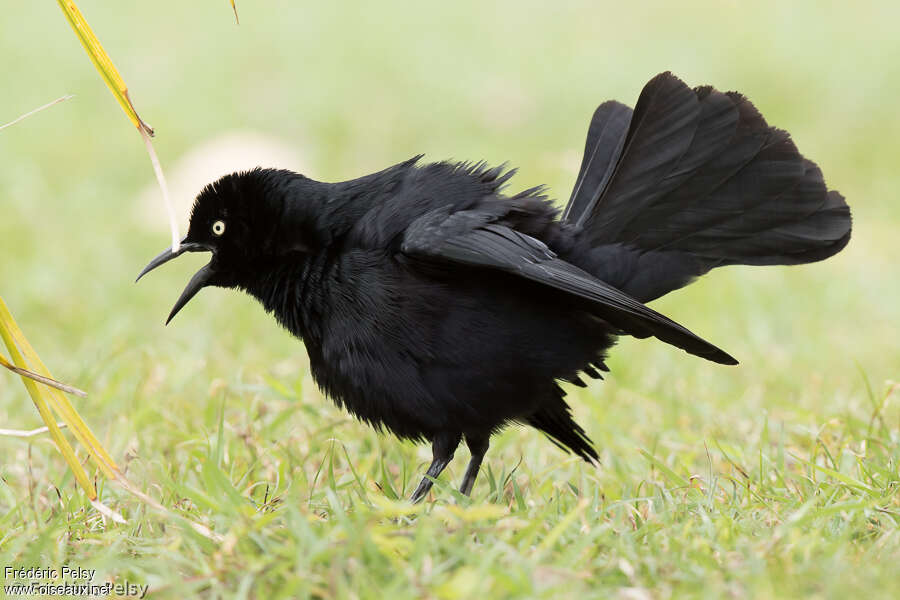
293,290
293,278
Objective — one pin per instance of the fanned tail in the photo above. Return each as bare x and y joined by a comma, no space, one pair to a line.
694,179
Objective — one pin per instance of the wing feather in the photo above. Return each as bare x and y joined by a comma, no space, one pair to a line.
474,239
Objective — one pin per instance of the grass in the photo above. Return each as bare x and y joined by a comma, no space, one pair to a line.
777,478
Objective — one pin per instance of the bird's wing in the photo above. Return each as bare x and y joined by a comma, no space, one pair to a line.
475,239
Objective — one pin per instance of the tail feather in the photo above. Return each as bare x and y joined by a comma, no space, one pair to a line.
605,140
662,129
555,420
703,181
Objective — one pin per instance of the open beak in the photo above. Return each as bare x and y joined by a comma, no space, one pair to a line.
200,279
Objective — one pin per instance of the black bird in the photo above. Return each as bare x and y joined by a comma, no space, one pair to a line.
436,306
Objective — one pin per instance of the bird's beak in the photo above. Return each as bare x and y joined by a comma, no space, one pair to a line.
200,279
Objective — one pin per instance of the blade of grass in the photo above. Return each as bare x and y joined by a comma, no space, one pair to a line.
672,475
845,479
45,380
29,433
116,85
164,188
563,524
220,437
36,110
134,491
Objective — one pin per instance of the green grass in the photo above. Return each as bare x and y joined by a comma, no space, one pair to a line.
777,478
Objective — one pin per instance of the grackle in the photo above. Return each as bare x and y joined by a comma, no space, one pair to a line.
437,306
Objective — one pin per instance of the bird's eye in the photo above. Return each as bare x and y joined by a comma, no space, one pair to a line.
218,228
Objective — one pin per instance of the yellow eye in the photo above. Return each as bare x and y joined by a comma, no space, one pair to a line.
218,228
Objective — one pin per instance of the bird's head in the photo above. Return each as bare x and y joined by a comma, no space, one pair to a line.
243,219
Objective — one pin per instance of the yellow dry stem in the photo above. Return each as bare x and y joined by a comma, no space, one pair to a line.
102,61
57,399
37,394
44,398
117,86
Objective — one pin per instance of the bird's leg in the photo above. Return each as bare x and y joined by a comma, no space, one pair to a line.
442,448
478,445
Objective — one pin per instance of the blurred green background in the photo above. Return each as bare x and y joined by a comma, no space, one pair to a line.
354,87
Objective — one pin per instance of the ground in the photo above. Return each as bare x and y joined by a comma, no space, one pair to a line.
776,478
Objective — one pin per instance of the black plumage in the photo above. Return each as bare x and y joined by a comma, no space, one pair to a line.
436,306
